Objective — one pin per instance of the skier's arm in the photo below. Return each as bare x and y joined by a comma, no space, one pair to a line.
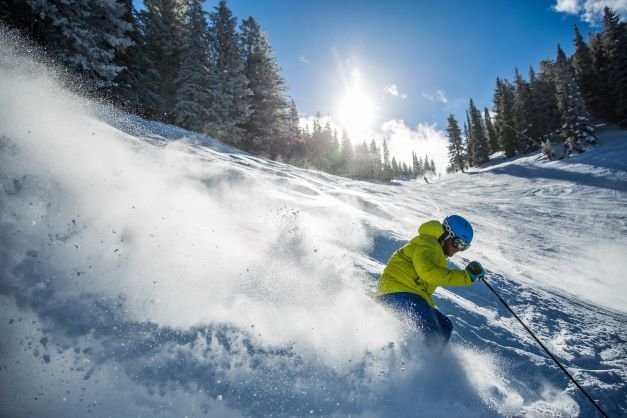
424,263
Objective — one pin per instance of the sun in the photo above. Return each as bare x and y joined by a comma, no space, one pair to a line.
356,110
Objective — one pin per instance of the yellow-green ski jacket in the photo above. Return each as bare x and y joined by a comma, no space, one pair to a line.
421,266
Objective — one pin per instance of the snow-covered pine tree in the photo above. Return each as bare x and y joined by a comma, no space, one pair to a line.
546,114
505,119
18,14
347,152
313,142
523,116
230,109
493,140
480,149
386,170
456,146
584,71
194,83
577,129
375,160
428,167
469,142
603,99
395,167
127,91
294,142
615,45
85,35
162,22
361,167
267,125
417,165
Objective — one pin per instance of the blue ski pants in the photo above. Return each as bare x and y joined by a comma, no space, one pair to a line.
436,326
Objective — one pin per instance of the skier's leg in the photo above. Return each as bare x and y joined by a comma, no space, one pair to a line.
445,325
435,326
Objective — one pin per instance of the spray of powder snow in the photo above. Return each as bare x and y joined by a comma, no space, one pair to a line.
199,278
187,240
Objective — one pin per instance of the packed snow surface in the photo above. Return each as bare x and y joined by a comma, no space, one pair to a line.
148,271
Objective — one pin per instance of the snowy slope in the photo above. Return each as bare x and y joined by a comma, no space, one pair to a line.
147,271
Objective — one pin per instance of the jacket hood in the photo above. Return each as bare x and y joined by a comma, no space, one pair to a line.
431,228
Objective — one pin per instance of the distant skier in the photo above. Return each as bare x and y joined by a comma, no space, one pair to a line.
414,272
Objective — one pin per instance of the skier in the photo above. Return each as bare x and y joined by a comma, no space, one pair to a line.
415,271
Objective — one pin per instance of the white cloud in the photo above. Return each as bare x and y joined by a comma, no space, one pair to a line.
438,96
567,6
591,10
424,139
303,59
392,90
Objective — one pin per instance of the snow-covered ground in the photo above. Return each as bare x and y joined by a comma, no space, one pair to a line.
146,271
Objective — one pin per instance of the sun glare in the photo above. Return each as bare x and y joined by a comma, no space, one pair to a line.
356,110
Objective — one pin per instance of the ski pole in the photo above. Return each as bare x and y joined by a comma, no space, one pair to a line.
545,349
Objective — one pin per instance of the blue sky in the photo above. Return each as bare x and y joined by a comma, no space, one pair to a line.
380,68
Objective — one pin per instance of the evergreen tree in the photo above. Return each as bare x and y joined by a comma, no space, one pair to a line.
602,102
230,109
85,35
361,168
194,81
417,164
615,45
576,127
128,91
546,114
505,117
161,20
479,148
19,15
493,140
375,160
314,143
347,153
456,145
267,124
523,116
294,141
395,168
387,165
584,71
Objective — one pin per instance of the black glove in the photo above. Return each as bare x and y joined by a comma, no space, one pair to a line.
475,270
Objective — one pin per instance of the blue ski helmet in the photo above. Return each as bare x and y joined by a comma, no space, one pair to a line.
459,229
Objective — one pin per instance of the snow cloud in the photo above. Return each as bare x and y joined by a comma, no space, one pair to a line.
591,10
439,96
424,139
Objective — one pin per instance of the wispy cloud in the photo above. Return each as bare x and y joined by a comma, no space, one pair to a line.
392,90
438,96
303,59
591,11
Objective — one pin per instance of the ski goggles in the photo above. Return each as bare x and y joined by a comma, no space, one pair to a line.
458,243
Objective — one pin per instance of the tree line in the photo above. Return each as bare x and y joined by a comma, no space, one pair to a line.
323,149
175,63
561,103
